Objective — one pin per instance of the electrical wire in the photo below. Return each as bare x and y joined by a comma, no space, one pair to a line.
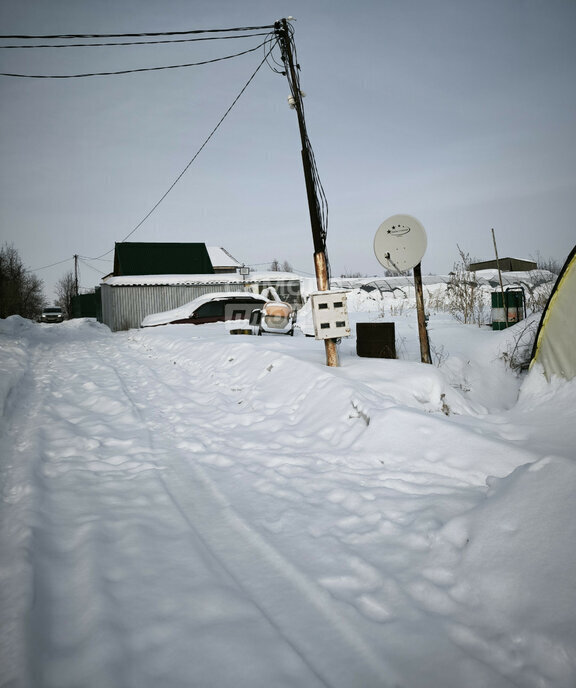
45,267
100,272
134,35
130,71
102,260
100,45
179,177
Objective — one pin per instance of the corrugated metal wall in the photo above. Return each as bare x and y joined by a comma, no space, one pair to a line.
124,307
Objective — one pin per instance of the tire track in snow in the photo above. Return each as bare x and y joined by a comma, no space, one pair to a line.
389,525
261,571
16,506
107,547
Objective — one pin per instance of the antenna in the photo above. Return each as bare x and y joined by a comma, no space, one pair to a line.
400,243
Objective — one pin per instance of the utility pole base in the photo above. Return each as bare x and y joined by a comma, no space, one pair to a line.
331,353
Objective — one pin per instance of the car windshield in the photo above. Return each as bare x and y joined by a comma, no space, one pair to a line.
52,310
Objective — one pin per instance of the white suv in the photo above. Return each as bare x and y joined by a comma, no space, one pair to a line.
53,314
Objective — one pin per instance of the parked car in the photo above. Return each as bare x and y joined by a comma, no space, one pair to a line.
53,314
209,308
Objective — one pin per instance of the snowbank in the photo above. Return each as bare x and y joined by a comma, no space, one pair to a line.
182,506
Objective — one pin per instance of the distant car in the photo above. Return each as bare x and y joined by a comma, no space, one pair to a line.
54,314
209,308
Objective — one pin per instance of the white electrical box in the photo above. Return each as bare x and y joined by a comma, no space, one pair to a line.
330,314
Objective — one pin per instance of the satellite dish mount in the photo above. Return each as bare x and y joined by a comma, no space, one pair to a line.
399,245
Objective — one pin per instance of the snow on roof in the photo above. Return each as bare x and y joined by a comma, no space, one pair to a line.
219,257
223,278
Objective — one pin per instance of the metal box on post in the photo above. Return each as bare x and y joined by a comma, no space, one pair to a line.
330,315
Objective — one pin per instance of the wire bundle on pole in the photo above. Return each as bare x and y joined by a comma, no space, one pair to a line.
285,35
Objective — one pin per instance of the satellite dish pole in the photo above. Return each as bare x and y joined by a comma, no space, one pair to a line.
400,244
422,331
318,232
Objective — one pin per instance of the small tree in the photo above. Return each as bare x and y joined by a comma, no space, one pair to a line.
21,292
464,294
65,292
276,266
550,264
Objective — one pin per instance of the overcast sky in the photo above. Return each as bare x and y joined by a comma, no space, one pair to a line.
459,112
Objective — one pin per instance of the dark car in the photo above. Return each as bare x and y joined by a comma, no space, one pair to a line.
210,308
53,314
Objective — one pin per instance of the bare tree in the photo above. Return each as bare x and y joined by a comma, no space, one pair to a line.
65,292
276,266
550,264
21,292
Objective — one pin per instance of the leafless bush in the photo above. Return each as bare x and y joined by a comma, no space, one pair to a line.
436,300
538,292
519,351
397,309
550,264
465,298
438,354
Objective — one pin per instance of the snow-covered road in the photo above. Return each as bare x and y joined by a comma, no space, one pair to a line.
216,511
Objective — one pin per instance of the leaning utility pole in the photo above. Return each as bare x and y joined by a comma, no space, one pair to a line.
318,234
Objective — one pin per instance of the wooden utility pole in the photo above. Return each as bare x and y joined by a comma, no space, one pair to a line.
504,305
320,264
422,331
75,274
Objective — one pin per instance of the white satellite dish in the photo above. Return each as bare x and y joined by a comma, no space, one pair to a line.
400,243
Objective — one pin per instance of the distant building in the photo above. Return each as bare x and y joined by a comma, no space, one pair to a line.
155,277
506,265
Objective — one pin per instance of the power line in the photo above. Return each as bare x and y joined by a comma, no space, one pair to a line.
130,71
100,272
102,260
45,267
99,45
179,177
133,35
